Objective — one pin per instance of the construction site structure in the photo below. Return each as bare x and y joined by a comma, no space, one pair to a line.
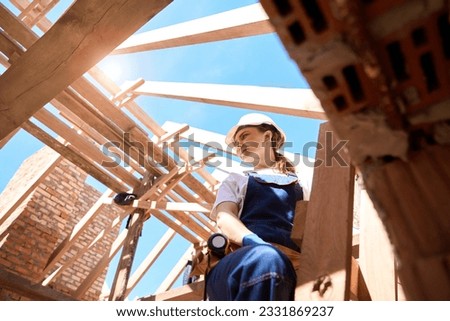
379,73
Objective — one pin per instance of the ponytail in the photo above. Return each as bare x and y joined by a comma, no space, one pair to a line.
283,164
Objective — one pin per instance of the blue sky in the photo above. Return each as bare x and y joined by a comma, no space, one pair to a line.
259,60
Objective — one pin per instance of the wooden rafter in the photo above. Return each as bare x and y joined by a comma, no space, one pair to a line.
79,160
288,101
149,260
189,292
175,273
40,74
242,22
31,290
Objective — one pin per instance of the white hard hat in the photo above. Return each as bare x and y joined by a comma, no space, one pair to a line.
253,119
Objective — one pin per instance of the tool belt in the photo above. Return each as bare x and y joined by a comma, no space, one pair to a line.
205,257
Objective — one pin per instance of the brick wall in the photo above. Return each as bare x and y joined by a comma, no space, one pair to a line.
45,218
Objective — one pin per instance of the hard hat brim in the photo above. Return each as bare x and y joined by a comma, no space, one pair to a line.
252,120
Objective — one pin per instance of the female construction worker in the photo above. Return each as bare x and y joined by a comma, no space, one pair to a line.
255,210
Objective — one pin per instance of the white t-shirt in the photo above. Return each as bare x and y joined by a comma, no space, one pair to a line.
234,188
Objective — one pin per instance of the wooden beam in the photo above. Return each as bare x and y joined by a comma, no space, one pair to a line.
84,147
201,217
33,291
149,260
36,10
153,126
91,133
242,22
175,225
175,272
289,101
376,258
326,247
16,28
413,198
74,157
170,135
189,292
44,24
136,136
135,225
172,206
42,72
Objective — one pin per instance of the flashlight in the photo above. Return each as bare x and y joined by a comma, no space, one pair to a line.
217,244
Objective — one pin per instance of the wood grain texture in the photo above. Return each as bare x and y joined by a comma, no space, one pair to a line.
412,201
326,248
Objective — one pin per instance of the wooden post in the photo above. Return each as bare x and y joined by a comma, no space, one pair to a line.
326,247
411,199
136,222
376,258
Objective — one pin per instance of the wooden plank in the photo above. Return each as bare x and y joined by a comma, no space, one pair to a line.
125,91
62,54
169,135
84,147
33,291
91,133
175,273
289,101
44,24
137,137
201,217
149,260
134,227
16,28
175,225
74,157
242,22
145,119
42,9
101,124
298,230
376,258
413,197
119,285
326,248
7,46
172,206
189,292
358,286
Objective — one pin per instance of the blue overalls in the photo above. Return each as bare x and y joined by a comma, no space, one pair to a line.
261,272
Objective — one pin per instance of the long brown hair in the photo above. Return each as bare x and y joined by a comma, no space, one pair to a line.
281,162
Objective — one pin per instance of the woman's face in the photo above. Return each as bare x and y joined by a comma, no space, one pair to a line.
254,146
